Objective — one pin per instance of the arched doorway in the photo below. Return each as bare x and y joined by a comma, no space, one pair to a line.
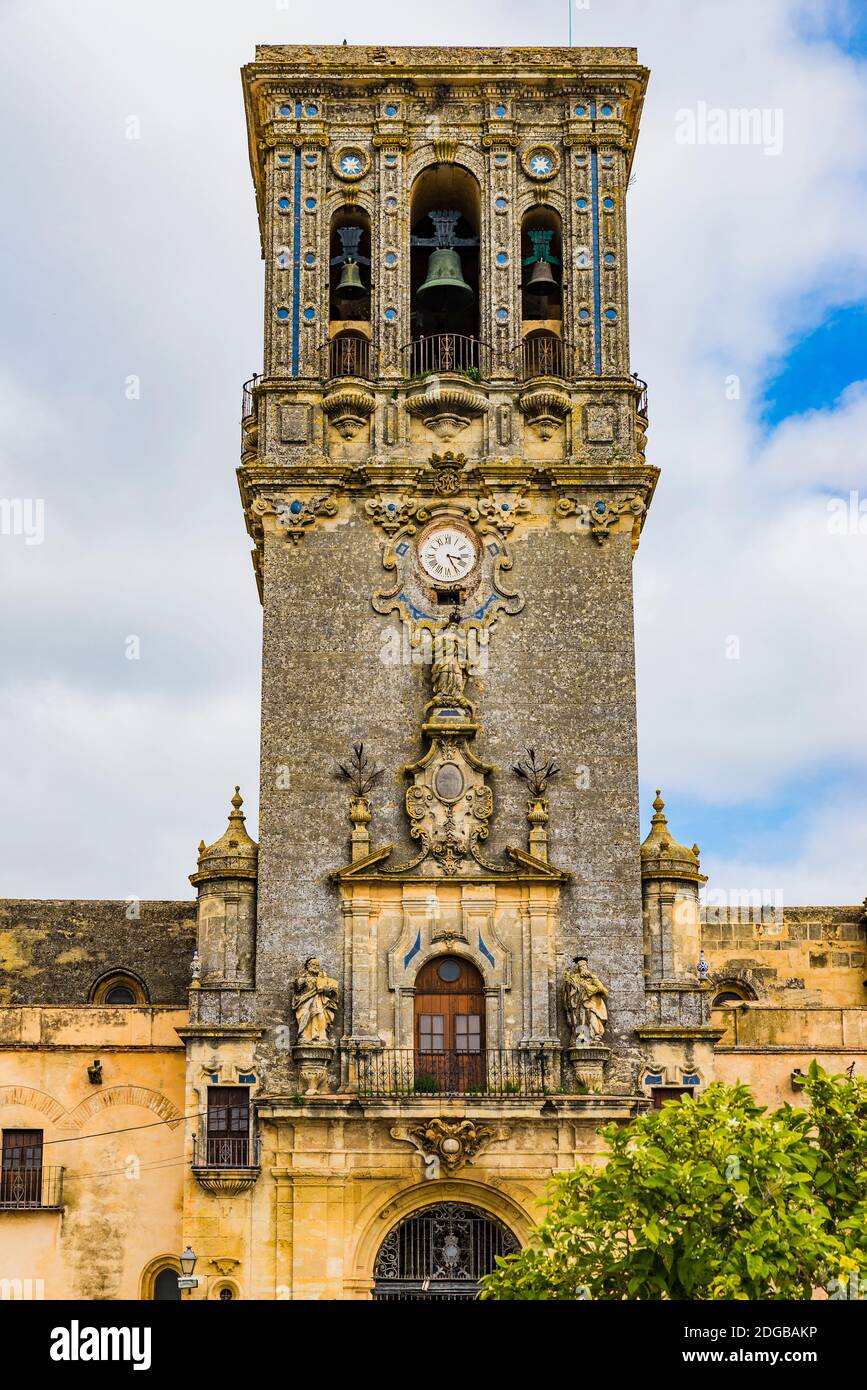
449,1027
166,1286
440,1252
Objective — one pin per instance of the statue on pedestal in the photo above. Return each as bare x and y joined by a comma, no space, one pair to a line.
448,668
584,998
314,1002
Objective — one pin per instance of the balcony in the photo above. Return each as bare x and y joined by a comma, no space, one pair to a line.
445,352
544,355
445,372
348,402
495,1073
248,397
641,402
346,356
226,1166
31,1189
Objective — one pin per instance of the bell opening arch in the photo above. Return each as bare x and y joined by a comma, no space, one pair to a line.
445,217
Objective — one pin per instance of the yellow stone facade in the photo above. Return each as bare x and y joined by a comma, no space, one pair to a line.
362,1029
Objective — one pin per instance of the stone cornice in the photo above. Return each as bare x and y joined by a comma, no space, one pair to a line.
552,75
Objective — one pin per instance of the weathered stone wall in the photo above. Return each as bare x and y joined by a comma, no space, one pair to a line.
560,678
799,956
121,1145
52,951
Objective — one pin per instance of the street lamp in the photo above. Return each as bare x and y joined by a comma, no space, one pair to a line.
188,1264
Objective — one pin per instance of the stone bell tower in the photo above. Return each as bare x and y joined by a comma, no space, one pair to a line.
443,475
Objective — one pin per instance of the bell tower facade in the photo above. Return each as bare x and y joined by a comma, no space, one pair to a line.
443,475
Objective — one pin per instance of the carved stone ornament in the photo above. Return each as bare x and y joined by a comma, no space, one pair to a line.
588,1063
391,510
446,402
545,408
294,514
350,163
446,472
348,408
540,162
602,516
502,510
449,1144
411,594
449,803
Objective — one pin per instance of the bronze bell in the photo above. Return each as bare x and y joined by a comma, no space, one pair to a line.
444,287
351,285
542,282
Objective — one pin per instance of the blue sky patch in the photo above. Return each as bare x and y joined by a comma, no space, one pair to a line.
819,368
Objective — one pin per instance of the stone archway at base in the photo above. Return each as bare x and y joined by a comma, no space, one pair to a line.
440,1252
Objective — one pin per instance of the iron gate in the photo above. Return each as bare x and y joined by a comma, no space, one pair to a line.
440,1253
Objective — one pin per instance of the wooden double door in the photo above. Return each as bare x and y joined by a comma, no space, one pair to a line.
449,1025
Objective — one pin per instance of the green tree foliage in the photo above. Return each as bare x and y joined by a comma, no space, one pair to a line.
712,1198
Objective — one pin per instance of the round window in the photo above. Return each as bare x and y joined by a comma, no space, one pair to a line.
449,971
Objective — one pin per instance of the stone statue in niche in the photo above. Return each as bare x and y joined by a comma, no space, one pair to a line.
584,998
314,1002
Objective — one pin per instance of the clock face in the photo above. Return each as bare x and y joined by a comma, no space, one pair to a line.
447,555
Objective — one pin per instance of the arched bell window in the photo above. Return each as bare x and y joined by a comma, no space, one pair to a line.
444,270
349,268
542,268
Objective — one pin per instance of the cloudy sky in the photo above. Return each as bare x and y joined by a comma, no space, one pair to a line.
131,315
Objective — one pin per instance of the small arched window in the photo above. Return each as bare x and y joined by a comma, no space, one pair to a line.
119,988
119,994
727,995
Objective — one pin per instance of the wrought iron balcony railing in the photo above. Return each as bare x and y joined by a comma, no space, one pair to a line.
348,355
226,1153
445,352
248,399
545,355
31,1189
641,404
403,1072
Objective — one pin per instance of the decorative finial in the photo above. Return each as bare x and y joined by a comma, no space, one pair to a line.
237,799
202,847
703,967
659,804
536,774
358,771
